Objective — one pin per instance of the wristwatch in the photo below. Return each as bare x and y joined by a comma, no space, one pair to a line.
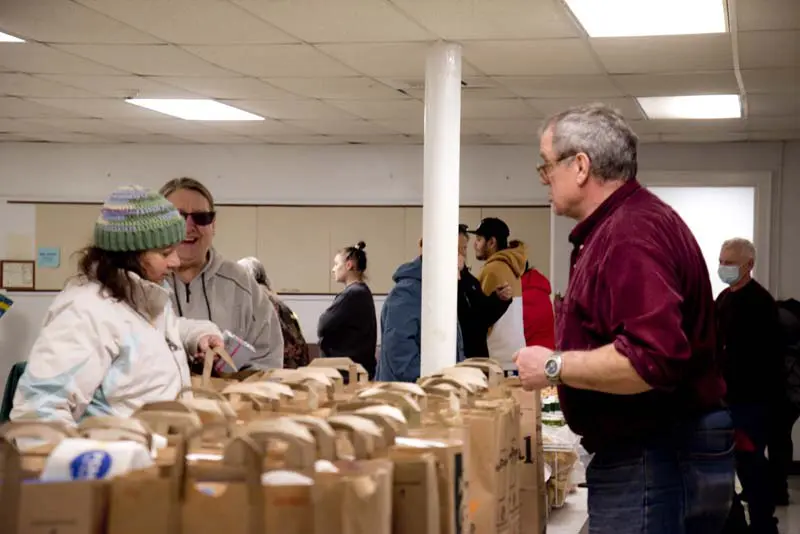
552,368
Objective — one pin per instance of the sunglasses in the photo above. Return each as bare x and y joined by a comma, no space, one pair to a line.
200,218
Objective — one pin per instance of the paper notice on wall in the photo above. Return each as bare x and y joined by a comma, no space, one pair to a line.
19,247
48,257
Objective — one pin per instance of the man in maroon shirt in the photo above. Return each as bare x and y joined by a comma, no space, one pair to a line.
635,360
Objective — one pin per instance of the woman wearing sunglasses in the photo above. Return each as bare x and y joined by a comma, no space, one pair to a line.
208,286
111,341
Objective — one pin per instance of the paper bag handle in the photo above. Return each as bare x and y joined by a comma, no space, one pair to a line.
168,423
389,426
394,398
322,432
121,428
408,388
208,363
494,372
201,392
50,431
362,433
449,380
300,454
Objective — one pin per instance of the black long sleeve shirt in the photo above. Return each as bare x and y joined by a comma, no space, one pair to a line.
349,327
477,312
749,338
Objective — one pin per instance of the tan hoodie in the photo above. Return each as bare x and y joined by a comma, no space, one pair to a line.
508,334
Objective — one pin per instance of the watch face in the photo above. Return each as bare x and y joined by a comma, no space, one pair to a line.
550,367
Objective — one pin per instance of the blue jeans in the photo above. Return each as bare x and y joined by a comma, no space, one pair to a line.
682,485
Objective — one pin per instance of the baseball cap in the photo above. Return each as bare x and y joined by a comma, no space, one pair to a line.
492,227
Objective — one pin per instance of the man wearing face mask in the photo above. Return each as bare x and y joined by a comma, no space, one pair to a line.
748,337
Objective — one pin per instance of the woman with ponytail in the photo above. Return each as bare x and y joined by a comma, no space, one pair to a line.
349,327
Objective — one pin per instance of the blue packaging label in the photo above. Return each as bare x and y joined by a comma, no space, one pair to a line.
90,465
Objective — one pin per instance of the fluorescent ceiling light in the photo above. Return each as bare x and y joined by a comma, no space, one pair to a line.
6,38
633,18
194,109
692,107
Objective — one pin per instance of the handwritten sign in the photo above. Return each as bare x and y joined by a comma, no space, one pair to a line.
49,257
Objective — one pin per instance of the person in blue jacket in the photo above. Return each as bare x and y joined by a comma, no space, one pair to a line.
401,322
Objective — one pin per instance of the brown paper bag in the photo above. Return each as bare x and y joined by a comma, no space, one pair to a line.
357,376
205,380
533,491
357,499
72,507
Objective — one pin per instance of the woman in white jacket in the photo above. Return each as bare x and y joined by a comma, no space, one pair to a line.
110,341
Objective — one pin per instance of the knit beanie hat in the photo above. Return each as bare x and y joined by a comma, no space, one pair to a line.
135,219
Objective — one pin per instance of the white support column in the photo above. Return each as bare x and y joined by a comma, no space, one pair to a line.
440,207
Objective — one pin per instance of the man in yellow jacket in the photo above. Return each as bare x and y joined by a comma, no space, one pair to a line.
504,264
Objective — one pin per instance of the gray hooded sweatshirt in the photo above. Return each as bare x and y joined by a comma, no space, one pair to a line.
226,294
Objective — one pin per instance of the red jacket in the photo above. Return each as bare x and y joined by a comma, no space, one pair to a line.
537,310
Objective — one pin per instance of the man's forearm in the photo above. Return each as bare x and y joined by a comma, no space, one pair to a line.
604,370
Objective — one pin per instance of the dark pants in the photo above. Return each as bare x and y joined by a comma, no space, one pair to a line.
752,424
779,447
682,485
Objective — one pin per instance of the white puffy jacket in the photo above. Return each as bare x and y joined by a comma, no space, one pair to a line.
99,356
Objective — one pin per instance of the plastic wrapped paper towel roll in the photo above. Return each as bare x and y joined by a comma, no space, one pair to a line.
86,459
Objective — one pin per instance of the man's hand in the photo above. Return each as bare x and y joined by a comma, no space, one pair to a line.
530,362
504,291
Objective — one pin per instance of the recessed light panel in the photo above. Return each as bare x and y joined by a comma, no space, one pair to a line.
6,38
194,109
692,107
635,18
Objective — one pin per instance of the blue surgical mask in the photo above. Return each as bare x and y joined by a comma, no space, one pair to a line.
729,274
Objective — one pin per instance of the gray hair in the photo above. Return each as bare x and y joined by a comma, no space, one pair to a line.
743,247
256,270
602,134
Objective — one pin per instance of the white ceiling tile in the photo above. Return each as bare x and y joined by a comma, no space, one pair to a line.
171,126
337,88
60,21
684,83
271,61
245,88
323,21
120,86
704,137
531,58
772,80
509,139
191,21
22,126
69,137
292,109
263,128
101,108
152,60
501,127
14,138
550,106
773,105
768,15
148,138
339,127
381,109
90,126
495,19
766,50
386,60
681,53
14,84
304,140
777,135
13,107
406,126
577,86
509,108
789,122
220,139
666,126
35,58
